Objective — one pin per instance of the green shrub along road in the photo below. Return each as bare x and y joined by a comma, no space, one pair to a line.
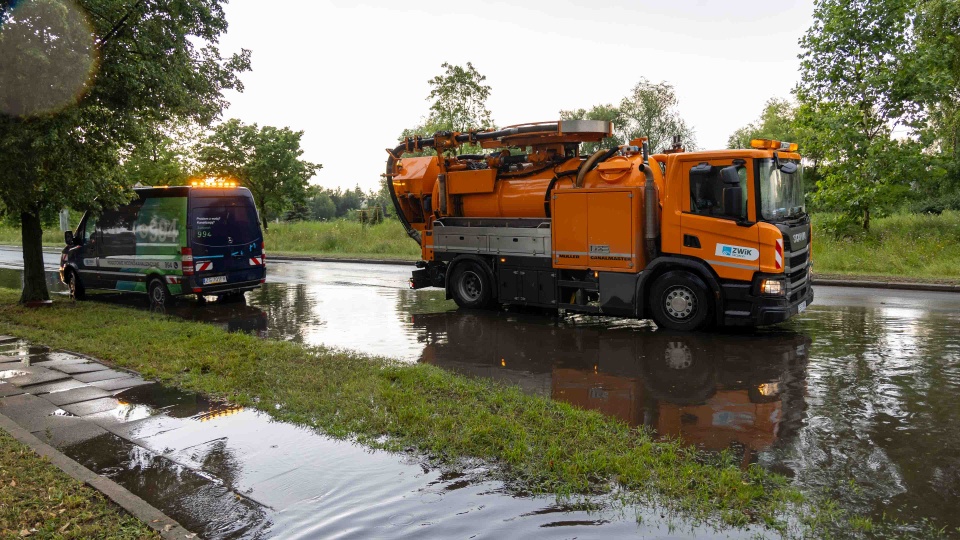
920,247
533,443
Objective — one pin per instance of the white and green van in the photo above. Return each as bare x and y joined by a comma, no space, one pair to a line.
169,241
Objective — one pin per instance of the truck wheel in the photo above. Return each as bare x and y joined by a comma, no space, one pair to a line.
77,292
159,295
470,287
679,301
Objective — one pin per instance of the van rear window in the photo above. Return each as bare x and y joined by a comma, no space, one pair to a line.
224,221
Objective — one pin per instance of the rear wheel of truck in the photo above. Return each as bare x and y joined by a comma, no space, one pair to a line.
159,295
679,301
470,286
77,292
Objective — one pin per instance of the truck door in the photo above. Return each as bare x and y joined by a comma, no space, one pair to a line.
712,228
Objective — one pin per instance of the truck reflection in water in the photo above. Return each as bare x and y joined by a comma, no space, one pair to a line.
716,391
232,315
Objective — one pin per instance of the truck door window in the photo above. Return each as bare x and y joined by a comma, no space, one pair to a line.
706,190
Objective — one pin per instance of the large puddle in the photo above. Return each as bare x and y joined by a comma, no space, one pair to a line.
860,402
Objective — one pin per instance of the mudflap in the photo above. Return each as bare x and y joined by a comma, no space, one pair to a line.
420,279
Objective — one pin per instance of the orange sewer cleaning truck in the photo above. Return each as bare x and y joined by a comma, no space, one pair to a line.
689,239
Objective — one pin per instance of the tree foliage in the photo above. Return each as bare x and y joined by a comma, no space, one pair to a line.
777,122
80,84
265,160
650,110
854,92
459,103
459,99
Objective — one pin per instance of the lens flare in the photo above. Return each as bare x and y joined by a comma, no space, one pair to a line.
48,56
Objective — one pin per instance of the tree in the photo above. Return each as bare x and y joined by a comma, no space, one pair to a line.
78,89
322,207
459,99
777,122
164,156
853,92
936,70
650,110
265,160
459,104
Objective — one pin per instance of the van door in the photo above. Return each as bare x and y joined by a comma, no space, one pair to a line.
119,267
225,237
89,253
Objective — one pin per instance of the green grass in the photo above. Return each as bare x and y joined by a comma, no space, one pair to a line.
533,443
38,500
342,239
901,246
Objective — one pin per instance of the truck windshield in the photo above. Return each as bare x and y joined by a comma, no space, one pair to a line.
781,195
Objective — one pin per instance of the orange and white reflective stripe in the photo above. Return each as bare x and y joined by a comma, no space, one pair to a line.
779,254
256,261
203,266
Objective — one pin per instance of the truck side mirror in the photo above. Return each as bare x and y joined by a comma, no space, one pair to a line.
733,201
788,167
68,237
730,176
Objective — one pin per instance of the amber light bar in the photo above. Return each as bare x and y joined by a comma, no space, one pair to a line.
770,144
214,183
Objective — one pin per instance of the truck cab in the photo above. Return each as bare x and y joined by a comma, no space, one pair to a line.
742,213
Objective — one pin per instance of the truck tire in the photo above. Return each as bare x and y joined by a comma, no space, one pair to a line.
77,292
159,295
679,301
470,286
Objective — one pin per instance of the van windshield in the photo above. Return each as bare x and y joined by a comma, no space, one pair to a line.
224,221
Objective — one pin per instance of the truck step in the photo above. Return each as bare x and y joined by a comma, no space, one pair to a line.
585,285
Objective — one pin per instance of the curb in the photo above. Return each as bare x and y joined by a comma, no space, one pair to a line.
135,506
308,258
892,285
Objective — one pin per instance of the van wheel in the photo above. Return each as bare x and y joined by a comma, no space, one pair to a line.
77,292
159,295
679,301
470,286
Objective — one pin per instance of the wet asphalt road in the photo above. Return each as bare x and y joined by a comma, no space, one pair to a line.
856,397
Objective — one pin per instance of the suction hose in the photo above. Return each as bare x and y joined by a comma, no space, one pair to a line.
598,157
391,170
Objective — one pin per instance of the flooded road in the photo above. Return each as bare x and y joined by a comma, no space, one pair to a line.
857,397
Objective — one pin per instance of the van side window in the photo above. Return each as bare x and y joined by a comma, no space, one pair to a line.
89,228
706,190
117,234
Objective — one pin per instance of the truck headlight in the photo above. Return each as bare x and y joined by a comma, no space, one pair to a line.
772,287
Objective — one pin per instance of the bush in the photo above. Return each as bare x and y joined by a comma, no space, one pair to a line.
937,205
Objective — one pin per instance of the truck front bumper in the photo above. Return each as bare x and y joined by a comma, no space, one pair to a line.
744,306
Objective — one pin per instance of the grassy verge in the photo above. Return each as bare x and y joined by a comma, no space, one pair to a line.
535,444
902,246
342,239
38,500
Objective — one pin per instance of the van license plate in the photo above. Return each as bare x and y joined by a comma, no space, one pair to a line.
214,279
802,306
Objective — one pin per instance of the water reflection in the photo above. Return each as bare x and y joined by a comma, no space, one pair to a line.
882,409
742,391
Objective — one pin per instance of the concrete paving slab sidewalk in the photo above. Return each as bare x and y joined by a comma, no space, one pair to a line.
68,401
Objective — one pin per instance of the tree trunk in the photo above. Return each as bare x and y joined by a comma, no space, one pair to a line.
34,280
263,214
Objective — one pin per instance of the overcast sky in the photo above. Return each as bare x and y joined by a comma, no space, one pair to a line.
353,74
